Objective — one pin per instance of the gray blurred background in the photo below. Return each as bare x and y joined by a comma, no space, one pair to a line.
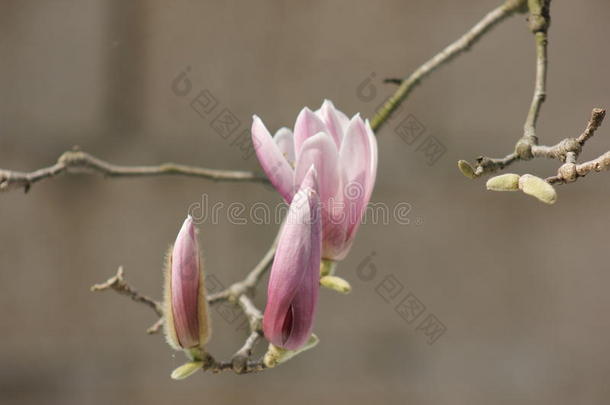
520,287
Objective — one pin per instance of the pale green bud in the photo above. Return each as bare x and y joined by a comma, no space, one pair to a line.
504,182
276,355
466,169
186,370
336,283
537,187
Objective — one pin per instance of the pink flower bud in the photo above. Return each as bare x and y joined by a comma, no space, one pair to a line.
186,313
344,153
292,293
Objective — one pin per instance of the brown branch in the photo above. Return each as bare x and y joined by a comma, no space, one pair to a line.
211,364
156,327
597,117
570,171
567,151
76,161
461,45
539,20
118,284
527,147
236,293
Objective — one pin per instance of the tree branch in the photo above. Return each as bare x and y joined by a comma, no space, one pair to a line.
237,293
118,284
79,161
539,22
527,147
463,44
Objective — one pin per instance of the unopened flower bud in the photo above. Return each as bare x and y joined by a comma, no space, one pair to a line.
187,324
294,282
504,182
537,187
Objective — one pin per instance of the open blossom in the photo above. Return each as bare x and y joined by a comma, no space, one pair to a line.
344,153
292,294
186,312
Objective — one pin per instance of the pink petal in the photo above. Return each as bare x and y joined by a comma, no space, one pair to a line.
334,233
294,280
335,120
355,163
185,285
356,156
319,151
372,176
271,159
307,125
285,143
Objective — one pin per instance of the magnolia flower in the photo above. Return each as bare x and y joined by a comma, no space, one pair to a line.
292,293
344,153
186,311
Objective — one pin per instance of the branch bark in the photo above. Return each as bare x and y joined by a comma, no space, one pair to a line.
461,45
237,293
527,147
78,161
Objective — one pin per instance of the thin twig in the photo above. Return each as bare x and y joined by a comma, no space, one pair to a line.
527,147
235,290
210,364
236,293
156,327
118,284
76,161
539,21
569,149
463,44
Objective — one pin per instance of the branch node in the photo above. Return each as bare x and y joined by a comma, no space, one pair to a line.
540,17
523,148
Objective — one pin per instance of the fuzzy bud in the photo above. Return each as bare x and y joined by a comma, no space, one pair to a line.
466,169
187,325
504,182
276,355
186,370
336,283
537,187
